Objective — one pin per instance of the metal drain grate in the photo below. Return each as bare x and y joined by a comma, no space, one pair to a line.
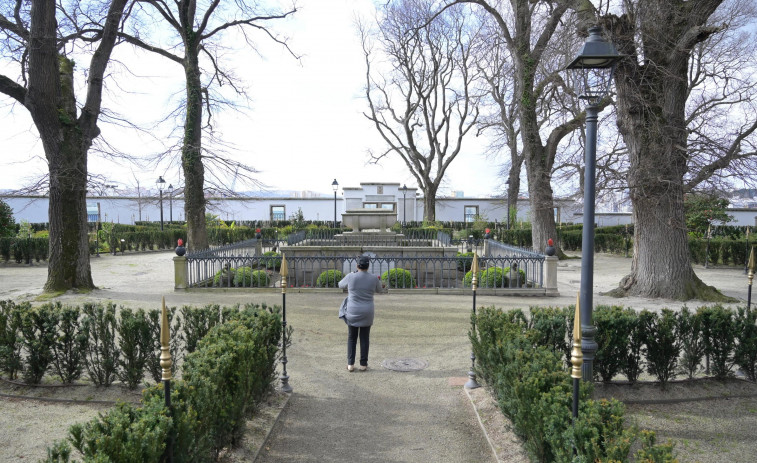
404,364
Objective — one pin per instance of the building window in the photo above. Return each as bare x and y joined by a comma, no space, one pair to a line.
370,205
470,214
389,206
278,213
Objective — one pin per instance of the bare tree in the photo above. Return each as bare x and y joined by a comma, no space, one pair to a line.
422,105
660,40
535,36
194,45
501,121
39,46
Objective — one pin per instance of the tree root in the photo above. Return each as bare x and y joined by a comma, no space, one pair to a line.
694,289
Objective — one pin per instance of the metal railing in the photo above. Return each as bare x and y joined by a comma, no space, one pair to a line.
511,272
501,249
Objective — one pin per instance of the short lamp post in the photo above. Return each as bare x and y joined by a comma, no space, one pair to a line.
593,70
472,383
335,186
404,204
161,183
170,203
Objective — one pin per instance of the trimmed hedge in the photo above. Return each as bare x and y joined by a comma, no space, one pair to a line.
223,380
534,390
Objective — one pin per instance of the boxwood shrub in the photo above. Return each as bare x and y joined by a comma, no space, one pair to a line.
249,278
398,278
223,381
329,279
494,277
534,390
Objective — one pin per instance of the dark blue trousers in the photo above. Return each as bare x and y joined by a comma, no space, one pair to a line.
353,333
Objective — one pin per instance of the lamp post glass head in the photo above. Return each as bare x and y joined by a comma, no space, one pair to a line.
170,188
594,66
160,182
335,185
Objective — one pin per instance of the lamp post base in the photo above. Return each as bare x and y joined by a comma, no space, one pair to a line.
472,383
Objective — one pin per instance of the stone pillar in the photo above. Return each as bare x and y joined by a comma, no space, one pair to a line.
550,275
180,272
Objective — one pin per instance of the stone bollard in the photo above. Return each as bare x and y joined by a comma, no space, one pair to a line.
180,272
550,276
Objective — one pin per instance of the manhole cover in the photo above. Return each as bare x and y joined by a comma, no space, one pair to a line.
404,364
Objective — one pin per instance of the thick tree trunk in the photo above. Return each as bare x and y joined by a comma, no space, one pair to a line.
651,117
52,104
541,200
191,157
429,205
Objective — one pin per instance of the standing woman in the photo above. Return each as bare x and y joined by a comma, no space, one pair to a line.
361,287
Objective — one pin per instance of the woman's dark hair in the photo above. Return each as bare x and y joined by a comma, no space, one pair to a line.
363,262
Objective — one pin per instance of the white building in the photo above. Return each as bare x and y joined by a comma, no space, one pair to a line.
408,204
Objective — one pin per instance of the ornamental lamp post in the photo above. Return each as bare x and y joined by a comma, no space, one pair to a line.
404,204
170,203
472,383
592,73
160,182
335,186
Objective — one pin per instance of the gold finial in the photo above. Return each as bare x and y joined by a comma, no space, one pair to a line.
474,272
165,353
576,354
750,275
284,272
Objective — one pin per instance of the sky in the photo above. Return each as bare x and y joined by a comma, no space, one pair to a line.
303,127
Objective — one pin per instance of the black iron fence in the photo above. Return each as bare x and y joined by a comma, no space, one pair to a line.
502,272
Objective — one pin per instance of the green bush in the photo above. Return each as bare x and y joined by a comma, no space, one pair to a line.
39,330
7,222
663,345
614,326
270,260
548,327
11,362
135,345
235,362
70,345
224,277
246,277
197,322
398,278
465,261
718,331
329,279
224,379
494,277
634,363
101,359
745,355
125,433
693,344
534,391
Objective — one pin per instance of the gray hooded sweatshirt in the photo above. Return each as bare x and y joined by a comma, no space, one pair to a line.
361,287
